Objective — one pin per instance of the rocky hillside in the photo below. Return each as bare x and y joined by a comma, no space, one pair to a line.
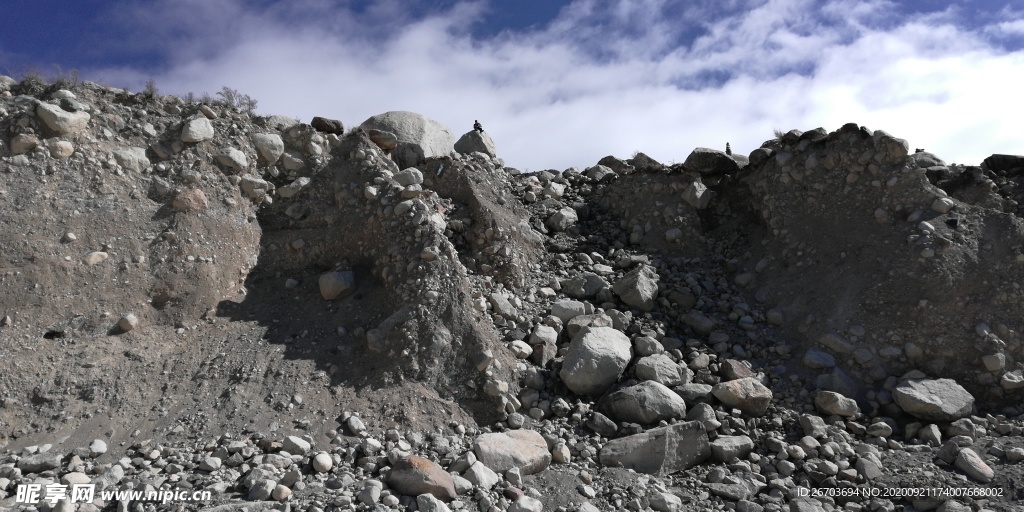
292,315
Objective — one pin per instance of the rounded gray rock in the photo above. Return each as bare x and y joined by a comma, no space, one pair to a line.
595,359
645,403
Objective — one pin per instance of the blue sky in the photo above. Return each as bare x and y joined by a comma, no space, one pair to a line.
564,83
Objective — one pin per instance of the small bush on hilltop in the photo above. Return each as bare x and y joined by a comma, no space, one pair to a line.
31,83
64,80
232,98
150,91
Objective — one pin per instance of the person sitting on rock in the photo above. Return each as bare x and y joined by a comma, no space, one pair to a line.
477,126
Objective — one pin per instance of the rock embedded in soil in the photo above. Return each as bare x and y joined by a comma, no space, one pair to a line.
337,284
61,121
128,322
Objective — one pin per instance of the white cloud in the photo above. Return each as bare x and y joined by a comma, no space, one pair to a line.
608,77
1008,28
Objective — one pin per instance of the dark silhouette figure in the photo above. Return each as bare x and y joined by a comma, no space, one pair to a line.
477,126
728,149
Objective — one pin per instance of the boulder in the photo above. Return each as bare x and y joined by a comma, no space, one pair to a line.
409,176
384,139
893,150
544,345
23,143
323,124
968,461
293,188
97,447
295,445
830,402
482,476
659,451
643,161
323,462
197,130
572,327
232,158
924,160
60,149
699,323
132,159
566,309
253,187
698,195
476,142
190,200
600,173
617,165
747,395
584,285
710,161
595,359
414,475
933,399
261,490
645,403
727,448
659,368
270,146
562,219
428,503
60,121
526,504
999,162
638,288
418,137
523,449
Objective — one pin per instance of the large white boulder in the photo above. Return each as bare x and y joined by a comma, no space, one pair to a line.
61,121
476,142
419,137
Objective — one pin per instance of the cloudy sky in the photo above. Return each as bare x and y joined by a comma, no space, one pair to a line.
564,83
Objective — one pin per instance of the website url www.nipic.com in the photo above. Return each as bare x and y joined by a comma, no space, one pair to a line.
85,493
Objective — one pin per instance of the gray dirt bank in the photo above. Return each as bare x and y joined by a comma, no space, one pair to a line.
196,298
